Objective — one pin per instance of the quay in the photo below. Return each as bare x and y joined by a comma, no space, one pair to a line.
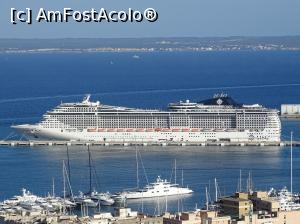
125,144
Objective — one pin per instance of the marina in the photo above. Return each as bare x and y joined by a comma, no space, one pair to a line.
241,207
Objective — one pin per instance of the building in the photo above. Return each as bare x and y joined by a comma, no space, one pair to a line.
236,206
241,208
196,217
290,110
256,208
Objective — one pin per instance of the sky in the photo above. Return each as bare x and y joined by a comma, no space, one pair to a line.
177,18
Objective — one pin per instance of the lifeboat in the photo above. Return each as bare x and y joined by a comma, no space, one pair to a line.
101,129
194,129
157,129
140,129
110,129
149,129
166,130
175,129
130,130
120,130
185,130
91,129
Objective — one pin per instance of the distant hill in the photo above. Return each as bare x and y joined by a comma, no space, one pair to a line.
151,44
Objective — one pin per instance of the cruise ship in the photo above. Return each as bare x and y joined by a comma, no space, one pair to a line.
219,119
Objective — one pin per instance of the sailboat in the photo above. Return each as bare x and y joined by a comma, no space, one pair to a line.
93,197
65,202
84,199
212,205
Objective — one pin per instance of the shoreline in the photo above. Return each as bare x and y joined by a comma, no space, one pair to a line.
137,50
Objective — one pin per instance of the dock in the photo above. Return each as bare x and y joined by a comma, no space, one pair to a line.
128,144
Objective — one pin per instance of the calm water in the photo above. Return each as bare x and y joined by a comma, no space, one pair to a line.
34,83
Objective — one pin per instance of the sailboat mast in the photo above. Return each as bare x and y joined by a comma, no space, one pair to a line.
137,169
216,190
175,171
291,163
64,180
240,185
90,168
249,182
182,177
53,187
166,203
69,170
64,183
143,202
206,196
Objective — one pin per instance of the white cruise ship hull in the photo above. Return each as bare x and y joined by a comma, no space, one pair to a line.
36,132
139,195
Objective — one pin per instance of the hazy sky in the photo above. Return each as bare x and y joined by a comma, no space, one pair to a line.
176,18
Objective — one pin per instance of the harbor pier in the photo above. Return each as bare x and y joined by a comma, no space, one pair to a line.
26,143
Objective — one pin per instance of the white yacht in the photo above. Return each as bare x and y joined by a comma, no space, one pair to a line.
160,188
26,196
286,199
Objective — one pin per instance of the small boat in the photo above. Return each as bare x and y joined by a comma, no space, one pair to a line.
104,198
29,205
85,200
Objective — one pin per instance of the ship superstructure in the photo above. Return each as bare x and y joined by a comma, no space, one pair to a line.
219,119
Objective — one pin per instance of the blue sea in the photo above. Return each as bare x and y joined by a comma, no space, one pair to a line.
31,84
